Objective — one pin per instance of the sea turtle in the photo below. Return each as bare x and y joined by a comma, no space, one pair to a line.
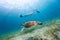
31,23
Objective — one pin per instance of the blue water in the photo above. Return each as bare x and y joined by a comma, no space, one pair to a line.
10,19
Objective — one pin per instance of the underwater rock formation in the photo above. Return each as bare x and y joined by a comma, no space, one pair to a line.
48,31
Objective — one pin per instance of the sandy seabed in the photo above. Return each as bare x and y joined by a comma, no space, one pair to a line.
48,31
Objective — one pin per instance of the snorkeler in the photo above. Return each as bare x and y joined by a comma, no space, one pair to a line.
30,13
26,15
